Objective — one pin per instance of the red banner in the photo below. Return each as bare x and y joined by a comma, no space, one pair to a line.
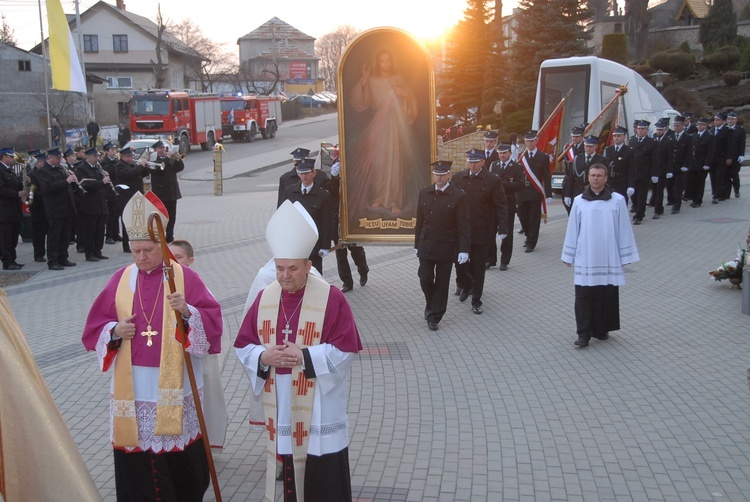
549,135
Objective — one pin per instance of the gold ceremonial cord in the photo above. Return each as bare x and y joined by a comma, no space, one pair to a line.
153,311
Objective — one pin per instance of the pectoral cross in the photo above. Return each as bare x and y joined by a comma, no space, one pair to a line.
286,331
149,333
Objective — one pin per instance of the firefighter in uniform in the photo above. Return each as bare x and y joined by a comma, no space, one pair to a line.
511,178
109,164
11,196
537,187
577,172
620,162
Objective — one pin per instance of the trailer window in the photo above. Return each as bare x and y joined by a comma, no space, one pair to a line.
556,83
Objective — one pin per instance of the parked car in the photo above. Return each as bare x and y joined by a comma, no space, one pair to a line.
310,101
140,144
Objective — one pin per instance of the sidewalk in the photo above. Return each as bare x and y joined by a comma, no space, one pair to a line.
498,406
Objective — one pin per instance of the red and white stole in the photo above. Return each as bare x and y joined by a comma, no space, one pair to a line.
536,184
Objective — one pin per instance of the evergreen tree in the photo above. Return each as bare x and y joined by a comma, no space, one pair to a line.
7,35
637,19
466,59
495,74
720,26
546,29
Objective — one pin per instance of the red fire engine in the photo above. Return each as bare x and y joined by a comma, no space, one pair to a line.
186,117
242,117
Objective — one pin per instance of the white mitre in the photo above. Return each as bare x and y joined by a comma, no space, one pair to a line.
291,232
136,213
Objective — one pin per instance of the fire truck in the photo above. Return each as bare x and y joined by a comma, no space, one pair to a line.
243,117
185,117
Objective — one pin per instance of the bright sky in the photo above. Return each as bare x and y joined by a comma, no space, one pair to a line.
225,21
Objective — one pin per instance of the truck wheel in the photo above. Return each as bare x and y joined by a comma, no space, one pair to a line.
184,144
272,127
235,137
251,134
264,132
208,145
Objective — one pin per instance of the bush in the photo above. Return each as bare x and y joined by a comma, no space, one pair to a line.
685,100
615,48
685,47
724,97
675,62
731,78
643,70
519,120
723,59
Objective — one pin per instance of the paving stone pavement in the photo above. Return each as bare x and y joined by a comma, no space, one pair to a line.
498,406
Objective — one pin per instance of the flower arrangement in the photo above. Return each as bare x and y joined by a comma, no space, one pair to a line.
730,269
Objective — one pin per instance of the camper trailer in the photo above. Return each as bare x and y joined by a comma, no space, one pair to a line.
592,83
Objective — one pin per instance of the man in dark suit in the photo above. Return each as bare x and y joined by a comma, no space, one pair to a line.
129,174
644,150
576,148
92,206
700,163
690,128
620,162
164,183
723,158
59,188
488,212
490,149
317,201
537,188
511,178
290,178
11,195
664,163
739,136
39,223
577,172
109,164
683,151
442,236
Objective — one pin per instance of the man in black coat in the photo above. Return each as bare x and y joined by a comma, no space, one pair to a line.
290,178
700,163
488,212
739,136
620,162
490,149
92,129
123,134
164,183
664,163
317,201
690,128
644,150
576,148
58,187
39,223
442,236
11,195
537,188
723,158
108,163
129,174
683,151
511,178
577,172
92,205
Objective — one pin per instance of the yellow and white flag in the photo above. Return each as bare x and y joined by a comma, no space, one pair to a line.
66,68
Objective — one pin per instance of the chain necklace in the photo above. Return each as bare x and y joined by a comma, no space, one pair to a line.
149,332
286,331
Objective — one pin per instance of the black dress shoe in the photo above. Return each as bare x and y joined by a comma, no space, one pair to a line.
488,266
80,250
109,241
40,259
695,205
581,342
346,289
102,257
19,264
55,266
476,310
12,266
685,199
522,231
363,279
656,216
457,291
464,295
675,211
432,325
605,336
736,195
714,201
67,263
637,221
117,238
92,258
503,266
426,311
721,199
529,249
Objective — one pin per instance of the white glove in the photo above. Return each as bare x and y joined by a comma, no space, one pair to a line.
706,168
654,179
684,169
549,200
669,176
501,236
463,258
567,201
323,253
416,251
630,191
336,168
741,159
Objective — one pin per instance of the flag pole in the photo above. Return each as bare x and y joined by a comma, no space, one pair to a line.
83,64
46,73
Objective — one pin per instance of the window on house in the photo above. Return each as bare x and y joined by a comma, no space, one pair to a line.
123,109
91,43
24,65
119,82
120,43
618,28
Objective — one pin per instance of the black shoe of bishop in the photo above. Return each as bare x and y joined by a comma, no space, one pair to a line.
346,288
67,263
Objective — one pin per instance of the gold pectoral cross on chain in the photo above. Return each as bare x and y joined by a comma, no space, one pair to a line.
149,333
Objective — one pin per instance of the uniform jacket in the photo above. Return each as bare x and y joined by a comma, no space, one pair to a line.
289,178
443,228
109,165
492,158
58,194
164,182
739,136
130,175
575,150
664,155
10,202
94,201
646,163
577,174
487,204
621,167
723,145
511,178
683,151
319,204
702,155
539,165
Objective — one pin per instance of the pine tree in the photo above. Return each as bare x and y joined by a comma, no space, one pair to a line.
720,26
7,35
546,29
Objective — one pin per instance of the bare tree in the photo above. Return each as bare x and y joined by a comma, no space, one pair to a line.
215,60
7,34
251,81
329,48
159,73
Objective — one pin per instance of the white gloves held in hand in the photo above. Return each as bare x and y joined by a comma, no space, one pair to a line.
501,236
630,191
549,200
669,176
654,179
336,168
684,169
463,258
323,253
567,201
